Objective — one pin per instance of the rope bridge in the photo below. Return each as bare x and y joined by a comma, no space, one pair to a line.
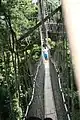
28,81
60,59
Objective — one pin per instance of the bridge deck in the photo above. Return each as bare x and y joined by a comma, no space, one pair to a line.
47,100
49,105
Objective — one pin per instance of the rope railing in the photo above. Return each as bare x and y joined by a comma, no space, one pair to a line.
60,87
33,90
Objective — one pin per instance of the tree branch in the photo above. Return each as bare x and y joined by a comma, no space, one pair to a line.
36,26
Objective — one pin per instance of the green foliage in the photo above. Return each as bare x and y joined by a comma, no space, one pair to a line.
16,57
54,3
23,16
16,109
51,43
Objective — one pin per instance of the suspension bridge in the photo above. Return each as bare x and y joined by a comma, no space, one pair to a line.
53,90
49,100
51,80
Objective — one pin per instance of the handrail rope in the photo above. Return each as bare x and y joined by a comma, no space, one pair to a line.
60,86
27,109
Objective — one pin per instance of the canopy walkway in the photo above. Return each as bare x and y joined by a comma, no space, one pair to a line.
51,96
52,91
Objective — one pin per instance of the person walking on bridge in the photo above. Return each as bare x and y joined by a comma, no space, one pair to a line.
45,52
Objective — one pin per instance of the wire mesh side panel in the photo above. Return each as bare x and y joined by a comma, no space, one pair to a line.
37,106
62,58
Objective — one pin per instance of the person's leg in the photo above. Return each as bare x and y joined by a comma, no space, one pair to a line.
45,56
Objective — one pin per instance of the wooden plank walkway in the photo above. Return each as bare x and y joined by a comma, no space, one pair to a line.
49,104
